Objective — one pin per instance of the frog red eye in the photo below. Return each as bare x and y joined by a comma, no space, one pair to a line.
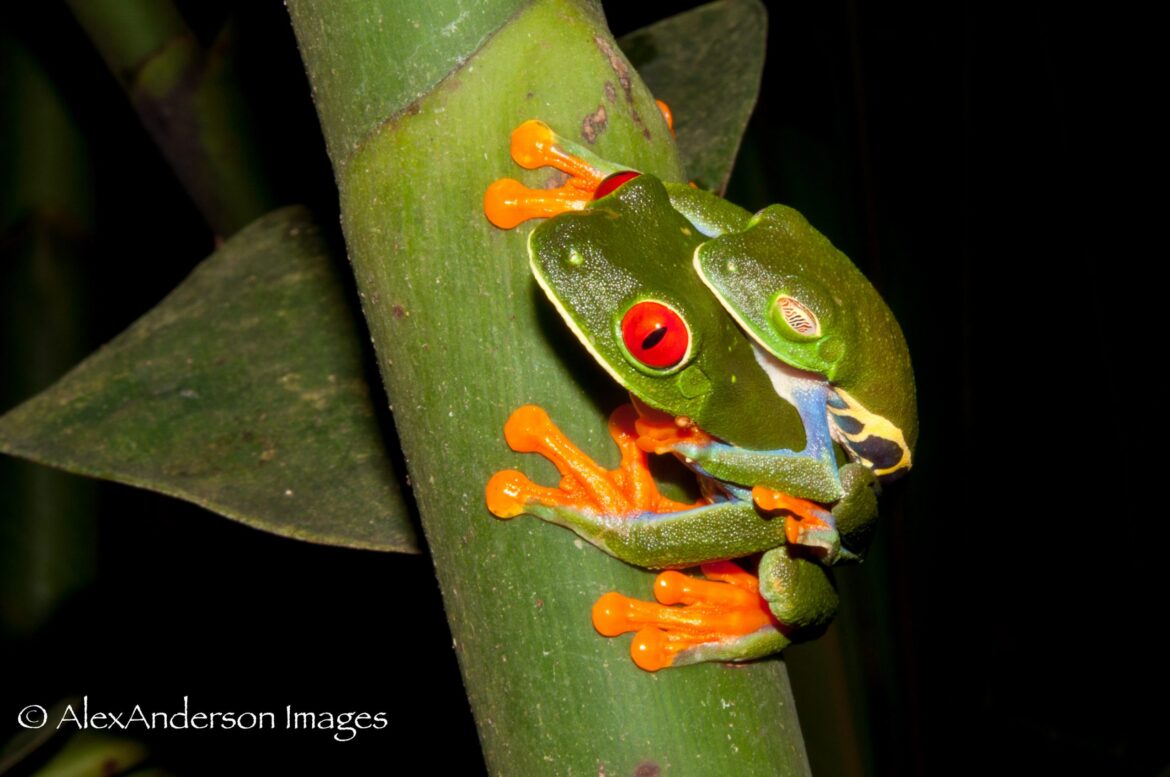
799,318
655,334
613,182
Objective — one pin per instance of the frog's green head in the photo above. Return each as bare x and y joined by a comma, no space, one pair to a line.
619,273
810,307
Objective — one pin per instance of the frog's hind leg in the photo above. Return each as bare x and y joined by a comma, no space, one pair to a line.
730,616
724,613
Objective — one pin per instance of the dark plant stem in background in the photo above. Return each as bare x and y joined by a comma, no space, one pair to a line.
47,527
189,100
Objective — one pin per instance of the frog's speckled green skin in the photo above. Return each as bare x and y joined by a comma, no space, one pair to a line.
646,241
859,347
633,246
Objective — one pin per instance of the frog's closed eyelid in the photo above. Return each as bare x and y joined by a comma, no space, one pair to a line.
797,316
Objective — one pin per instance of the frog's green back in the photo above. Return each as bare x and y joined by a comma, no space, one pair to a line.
630,247
807,303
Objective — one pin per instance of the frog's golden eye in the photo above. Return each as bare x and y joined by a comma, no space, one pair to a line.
655,334
799,318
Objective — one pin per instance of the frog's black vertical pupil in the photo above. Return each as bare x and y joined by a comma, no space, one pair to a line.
654,338
655,335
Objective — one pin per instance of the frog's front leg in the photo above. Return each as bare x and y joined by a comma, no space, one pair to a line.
730,616
839,534
621,511
811,473
780,479
585,485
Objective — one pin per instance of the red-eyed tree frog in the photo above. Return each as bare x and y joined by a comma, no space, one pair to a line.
625,275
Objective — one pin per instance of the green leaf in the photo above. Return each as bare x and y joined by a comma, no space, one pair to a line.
243,392
706,65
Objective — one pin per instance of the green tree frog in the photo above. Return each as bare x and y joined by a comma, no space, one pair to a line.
625,274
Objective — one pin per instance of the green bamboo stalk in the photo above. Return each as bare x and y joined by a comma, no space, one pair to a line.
417,101
188,100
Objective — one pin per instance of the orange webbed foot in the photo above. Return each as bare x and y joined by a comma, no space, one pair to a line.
585,485
535,145
690,612
807,523
660,432
508,203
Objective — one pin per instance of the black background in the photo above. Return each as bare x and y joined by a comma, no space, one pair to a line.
992,168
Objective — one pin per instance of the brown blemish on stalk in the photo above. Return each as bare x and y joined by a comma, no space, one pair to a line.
594,124
618,65
610,92
647,769
621,69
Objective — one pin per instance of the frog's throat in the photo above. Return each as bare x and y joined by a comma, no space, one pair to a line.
867,437
788,381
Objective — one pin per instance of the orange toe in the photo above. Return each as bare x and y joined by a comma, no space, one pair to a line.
652,649
506,492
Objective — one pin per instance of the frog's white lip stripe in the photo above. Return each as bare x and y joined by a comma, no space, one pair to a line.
727,306
542,281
